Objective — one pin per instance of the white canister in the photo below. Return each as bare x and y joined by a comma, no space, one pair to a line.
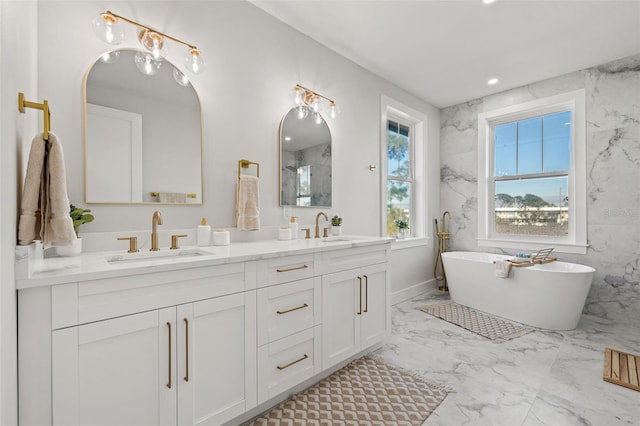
221,237
284,233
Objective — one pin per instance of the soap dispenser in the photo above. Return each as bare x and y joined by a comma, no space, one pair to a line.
204,233
293,226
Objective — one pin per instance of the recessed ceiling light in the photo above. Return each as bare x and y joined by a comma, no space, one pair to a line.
287,138
492,81
488,1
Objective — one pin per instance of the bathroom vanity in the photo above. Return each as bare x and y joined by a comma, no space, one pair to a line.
198,337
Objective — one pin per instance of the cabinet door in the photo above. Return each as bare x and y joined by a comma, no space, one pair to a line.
340,318
216,359
116,372
376,318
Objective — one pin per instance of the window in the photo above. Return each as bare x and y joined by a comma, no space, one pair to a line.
532,189
403,131
399,174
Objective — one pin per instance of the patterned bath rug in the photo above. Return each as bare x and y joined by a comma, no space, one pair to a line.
367,391
486,325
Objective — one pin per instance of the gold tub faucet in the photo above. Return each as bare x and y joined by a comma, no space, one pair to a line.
317,224
155,221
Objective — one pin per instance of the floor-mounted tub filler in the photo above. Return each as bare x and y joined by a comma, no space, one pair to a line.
550,295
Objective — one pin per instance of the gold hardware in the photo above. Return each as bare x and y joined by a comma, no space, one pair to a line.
169,383
372,167
282,367
307,233
325,234
317,220
292,309
109,16
174,241
244,164
133,243
366,293
360,282
309,95
295,268
155,221
186,338
157,194
44,107
443,236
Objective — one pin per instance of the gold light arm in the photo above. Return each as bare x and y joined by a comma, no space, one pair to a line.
310,94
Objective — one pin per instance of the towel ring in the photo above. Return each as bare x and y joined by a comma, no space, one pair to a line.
244,164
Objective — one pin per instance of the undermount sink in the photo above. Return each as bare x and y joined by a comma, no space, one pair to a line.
153,255
335,239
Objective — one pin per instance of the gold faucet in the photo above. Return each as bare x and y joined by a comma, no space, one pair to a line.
155,221
317,220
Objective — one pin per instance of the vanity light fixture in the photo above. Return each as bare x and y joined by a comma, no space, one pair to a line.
306,100
108,28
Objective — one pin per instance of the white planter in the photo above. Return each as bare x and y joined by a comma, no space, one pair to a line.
336,230
72,249
402,233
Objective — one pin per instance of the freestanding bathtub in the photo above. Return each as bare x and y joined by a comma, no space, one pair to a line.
549,296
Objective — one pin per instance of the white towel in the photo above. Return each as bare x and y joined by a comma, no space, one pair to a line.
248,204
44,210
172,197
503,268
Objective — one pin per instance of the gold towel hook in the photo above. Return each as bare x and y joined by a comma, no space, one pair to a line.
44,106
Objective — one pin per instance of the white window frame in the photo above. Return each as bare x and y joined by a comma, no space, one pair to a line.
396,111
576,240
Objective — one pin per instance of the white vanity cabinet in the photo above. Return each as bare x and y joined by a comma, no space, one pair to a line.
207,344
355,305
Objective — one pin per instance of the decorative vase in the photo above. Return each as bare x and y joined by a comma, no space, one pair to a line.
402,233
336,230
74,248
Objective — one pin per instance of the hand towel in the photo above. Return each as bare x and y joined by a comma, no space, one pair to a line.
248,203
45,205
503,268
172,197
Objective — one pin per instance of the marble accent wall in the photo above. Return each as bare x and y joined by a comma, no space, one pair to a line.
613,176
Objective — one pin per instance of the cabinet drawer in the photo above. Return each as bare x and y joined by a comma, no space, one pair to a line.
286,309
288,362
286,269
342,260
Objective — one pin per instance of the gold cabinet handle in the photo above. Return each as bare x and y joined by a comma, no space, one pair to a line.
366,293
360,283
292,309
282,367
295,268
169,383
186,347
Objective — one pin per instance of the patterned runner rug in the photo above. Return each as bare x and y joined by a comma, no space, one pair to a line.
368,391
486,325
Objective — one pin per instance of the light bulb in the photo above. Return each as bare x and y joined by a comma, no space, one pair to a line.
153,43
317,118
146,64
297,95
333,110
301,111
107,28
315,104
110,57
180,78
194,61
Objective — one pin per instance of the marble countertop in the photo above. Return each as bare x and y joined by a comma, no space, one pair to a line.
97,265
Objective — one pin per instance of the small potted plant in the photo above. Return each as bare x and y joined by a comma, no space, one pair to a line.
403,227
336,225
79,217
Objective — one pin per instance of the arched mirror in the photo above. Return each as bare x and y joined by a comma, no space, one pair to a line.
305,159
143,133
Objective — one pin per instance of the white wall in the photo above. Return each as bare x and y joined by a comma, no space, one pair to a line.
253,61
18,47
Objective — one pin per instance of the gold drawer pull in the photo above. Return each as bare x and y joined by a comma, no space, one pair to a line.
295,268
282,367
292,309
169,383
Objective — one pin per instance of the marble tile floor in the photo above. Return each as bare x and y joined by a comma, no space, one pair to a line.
545,378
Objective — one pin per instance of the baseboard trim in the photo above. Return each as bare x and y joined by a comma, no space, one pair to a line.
412,291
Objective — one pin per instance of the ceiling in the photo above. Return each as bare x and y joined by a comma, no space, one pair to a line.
445,51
